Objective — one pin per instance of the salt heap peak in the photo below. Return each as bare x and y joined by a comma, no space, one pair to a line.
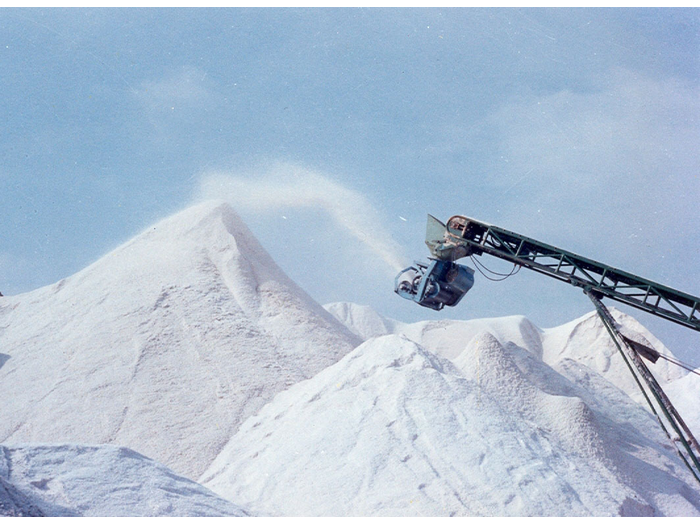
164,345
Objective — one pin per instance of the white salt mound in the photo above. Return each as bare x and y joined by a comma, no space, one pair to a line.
393,429
74,480
190,345
165,345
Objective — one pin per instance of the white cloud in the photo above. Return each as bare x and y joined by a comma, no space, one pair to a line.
611,173
286,187
635,130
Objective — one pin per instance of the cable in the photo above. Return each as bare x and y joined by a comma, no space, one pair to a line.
492,271
479,266
680,363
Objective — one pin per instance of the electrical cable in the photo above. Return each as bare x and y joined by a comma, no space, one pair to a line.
479,266
680,363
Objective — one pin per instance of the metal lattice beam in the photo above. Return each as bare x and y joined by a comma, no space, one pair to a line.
465,236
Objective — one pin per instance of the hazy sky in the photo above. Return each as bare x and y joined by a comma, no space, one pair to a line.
334,132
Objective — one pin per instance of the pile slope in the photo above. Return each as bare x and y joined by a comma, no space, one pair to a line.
104,480
584,340
165,345
393,429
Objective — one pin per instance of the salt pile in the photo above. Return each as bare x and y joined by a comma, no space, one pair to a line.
165,345
189,345
584,341
393,429
74,480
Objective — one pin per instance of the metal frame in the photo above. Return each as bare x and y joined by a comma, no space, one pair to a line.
476,238
685,441
463,237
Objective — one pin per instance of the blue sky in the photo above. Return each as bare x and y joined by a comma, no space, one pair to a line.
578,127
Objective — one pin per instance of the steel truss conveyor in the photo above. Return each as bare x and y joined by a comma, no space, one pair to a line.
444,283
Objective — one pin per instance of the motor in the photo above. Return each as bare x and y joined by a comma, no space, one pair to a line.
436,284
